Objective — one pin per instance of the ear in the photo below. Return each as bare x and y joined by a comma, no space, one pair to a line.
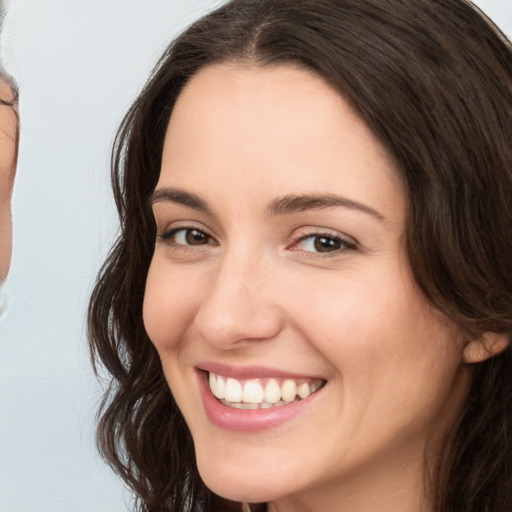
487,345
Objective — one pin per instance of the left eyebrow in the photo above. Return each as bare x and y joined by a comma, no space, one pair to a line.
298,203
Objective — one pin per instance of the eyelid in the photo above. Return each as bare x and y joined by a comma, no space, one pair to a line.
165,225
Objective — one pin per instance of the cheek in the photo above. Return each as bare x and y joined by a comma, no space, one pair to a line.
349,315
394,361
170,303
376,328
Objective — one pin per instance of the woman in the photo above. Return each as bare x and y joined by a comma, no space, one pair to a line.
315,258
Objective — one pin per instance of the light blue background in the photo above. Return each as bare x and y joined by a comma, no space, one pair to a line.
79,65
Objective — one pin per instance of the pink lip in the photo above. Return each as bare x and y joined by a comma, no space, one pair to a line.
248,420
250,372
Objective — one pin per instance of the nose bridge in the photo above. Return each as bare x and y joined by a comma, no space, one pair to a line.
239,306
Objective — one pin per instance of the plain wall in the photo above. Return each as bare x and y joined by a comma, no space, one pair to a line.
79,65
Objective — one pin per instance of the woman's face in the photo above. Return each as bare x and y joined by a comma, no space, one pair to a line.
280,274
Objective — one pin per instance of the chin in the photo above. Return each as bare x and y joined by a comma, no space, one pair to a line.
243,492
243,483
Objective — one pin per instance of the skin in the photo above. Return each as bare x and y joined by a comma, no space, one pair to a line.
256,292
8,158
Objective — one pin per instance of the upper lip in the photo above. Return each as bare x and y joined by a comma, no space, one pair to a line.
250,372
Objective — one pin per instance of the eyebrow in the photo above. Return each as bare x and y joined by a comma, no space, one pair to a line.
284,205
175,195
299,203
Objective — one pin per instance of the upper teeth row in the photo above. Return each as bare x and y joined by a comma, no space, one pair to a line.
253,392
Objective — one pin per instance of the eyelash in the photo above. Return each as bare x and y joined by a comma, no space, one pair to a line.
167,236
340,244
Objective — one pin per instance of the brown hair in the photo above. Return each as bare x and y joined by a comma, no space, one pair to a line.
432,79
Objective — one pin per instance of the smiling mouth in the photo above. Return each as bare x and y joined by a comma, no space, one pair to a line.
261,393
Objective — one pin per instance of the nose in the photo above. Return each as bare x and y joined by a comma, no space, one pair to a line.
240,306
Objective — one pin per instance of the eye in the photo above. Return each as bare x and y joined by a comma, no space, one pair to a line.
186,237
322,243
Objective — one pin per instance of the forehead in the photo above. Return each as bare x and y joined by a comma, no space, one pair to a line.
280,126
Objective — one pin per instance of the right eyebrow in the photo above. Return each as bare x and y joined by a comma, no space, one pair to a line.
176,195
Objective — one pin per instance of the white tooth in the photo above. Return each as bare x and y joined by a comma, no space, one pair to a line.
253,392
288,390
236,405
249,406
213,382
233,390
266,405
315,386
303,390
220,387
272,392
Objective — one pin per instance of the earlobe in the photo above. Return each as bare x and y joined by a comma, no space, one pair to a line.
487,345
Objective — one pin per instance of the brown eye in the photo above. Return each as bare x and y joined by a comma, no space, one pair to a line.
196,237
327,244
186,236
324,243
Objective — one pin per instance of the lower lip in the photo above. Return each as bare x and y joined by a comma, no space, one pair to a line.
248,420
